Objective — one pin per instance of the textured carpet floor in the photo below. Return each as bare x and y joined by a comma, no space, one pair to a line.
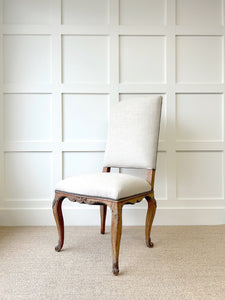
187,262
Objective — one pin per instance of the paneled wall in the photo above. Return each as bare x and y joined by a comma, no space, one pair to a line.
63,63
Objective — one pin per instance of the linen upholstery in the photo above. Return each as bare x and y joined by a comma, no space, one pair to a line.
133,133
104,185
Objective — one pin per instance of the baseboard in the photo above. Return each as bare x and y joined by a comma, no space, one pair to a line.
131,216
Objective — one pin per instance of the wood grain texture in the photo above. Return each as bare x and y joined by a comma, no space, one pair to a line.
149,220
57,212
98,201
150,177
103,208
103,212
106,169
116,231
116,208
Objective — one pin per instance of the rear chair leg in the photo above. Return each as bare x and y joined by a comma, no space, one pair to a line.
57,211
149,220
103,212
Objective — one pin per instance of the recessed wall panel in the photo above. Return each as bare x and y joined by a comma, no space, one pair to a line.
27,59
85,59
27,175
142,12
27,11
85,12
77,163
199,175
199,59
199,12
65,62
199,117
27,117
85,116
142,59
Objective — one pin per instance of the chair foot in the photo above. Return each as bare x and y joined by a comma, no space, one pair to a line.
58,248
149,243
115,269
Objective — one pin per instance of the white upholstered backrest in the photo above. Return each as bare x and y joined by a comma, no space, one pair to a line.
133,133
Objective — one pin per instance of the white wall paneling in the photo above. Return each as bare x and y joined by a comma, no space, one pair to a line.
80,123
27,59
195,64
85,12
193,124
143,12
66,61
75,163
22,116
1,110
201,12
200,175
85,59
27,12
142,59
27,174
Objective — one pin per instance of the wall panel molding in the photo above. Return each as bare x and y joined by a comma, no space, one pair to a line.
90,216
66,62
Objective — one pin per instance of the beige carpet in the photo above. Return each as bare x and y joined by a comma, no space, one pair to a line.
187,262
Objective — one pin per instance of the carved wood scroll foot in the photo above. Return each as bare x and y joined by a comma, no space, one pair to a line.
149,243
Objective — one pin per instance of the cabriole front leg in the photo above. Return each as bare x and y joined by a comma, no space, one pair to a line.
149,220
57,211
116,230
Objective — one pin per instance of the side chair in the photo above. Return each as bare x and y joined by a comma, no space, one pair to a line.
132,143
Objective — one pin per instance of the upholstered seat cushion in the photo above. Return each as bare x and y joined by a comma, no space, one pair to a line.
104,185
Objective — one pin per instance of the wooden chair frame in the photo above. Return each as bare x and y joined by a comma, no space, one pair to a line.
116,208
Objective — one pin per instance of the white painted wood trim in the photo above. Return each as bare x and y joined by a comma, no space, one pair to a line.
172,210
131,217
